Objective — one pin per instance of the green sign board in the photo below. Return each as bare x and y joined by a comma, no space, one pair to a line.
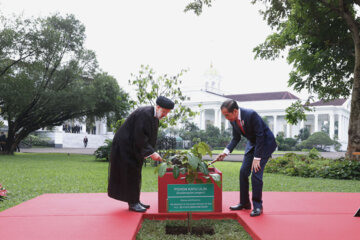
190,197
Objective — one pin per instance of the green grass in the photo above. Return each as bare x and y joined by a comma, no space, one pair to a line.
27,175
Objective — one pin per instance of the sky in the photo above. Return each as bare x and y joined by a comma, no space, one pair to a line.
125,34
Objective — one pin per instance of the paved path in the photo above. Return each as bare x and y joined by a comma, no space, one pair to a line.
230,158
240,157
87,151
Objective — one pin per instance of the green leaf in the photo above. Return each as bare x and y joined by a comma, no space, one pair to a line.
162,169
183,170
217,179
193,160
206,148
204,168
176,172
215,176
201,149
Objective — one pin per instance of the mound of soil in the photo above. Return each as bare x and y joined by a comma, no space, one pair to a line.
198,231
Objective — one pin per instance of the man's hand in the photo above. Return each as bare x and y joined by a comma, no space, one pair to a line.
256,165
156,157
220,157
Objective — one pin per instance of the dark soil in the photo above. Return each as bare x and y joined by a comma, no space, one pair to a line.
198,231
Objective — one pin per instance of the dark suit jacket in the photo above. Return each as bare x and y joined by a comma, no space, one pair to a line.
257,132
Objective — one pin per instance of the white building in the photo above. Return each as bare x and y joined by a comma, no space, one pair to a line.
334,114
68,138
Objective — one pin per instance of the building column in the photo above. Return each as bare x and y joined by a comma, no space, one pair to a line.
275,125
339,126
202,120
316,122
345,129
83,128
302,124
59,129
332,126
227,124
97,126
220,118
217,122
103,124
288,126
58,137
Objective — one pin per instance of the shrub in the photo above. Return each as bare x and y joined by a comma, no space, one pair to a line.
313,166
37,140
103,152
314,154
342,169
318,140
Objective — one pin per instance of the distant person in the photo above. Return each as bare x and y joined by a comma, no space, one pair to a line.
134,142
261,144
2,141
85,141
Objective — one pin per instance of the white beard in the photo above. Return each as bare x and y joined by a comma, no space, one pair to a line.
158,113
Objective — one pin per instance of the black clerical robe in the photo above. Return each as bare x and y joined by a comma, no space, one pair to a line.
134,141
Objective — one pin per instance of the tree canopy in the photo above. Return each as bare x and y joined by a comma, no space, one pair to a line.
47,76
318,140
322,41
148,87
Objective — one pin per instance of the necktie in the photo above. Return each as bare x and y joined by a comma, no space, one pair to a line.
240,126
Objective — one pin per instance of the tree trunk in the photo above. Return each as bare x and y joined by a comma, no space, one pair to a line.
12,141
9,146
354,121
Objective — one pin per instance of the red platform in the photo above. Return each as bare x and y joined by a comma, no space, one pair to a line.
287,215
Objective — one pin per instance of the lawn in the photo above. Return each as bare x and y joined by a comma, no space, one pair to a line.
27,175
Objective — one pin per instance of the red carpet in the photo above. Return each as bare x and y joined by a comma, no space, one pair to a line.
287,215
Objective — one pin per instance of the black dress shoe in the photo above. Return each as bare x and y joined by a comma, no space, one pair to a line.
256,212
144,205
240,207
136,207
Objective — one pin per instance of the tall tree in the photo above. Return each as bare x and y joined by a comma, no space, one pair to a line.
47,76
148,87
324,49
323,43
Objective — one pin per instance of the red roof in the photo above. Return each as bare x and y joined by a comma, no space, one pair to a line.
262,96
335,102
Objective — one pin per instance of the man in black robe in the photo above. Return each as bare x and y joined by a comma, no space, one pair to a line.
132,143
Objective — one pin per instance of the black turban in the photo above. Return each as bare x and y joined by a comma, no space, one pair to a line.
165,102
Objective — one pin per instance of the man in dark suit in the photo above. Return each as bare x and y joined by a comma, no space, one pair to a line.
134,142
261,144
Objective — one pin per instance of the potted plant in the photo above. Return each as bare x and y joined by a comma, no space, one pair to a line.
188,167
